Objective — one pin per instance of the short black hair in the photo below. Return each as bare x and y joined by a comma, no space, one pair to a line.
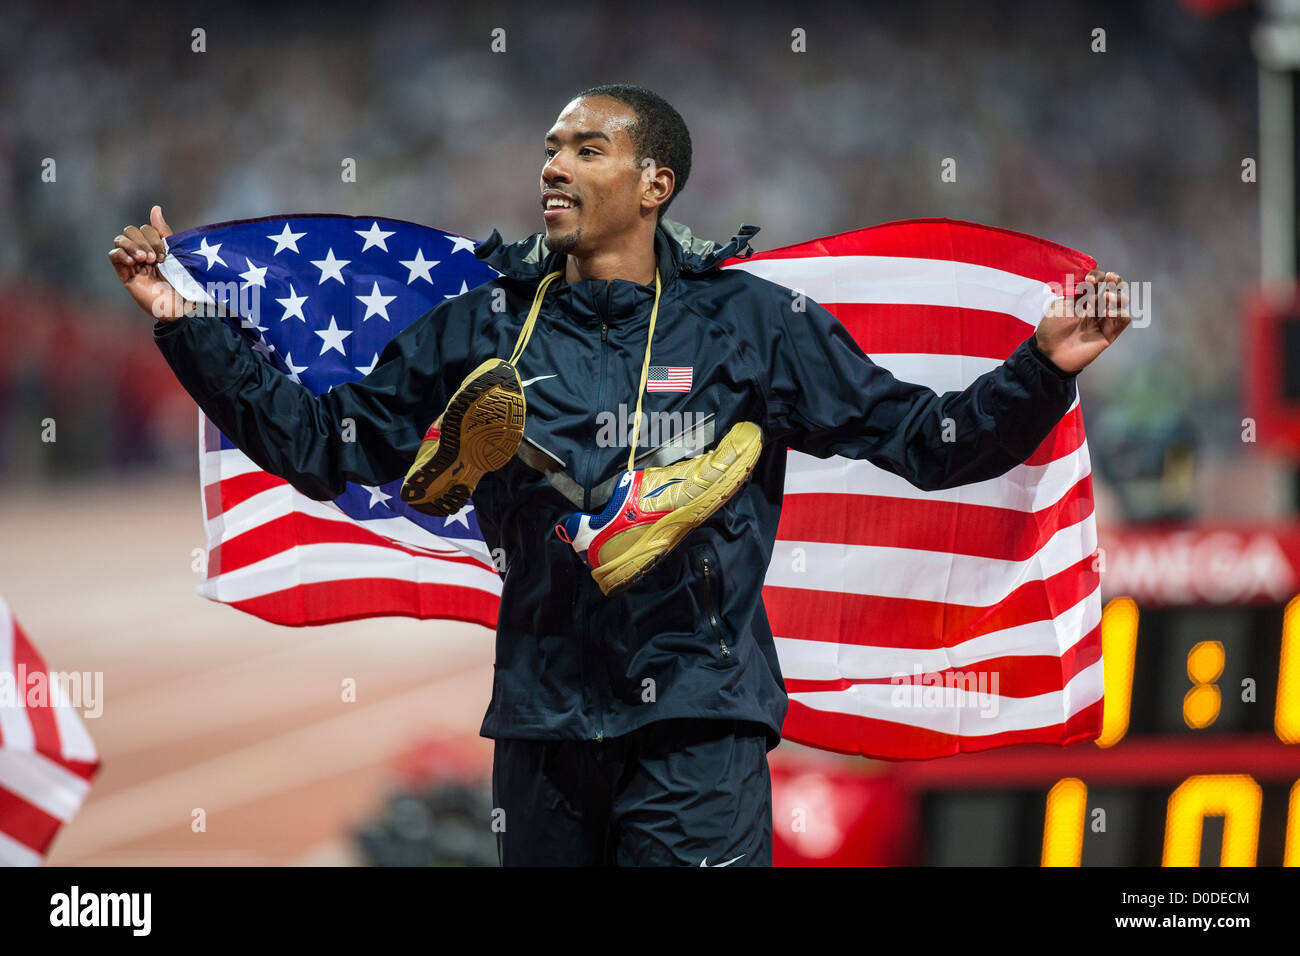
659,131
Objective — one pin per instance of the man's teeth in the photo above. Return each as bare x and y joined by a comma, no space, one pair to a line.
554,203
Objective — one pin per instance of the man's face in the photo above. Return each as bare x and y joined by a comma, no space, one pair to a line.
591,164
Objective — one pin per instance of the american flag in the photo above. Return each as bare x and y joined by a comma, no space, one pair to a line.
47,760
922,600
913,590
668,378
329,292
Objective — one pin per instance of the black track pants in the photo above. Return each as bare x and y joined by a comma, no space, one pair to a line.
672,793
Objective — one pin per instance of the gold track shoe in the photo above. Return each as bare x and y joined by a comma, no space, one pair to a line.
653,509
478,432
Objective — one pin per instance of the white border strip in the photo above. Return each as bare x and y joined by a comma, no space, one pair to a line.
181,280
974,715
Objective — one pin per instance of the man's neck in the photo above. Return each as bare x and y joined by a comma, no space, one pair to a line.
635,262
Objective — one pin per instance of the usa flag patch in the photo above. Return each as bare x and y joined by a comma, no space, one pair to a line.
668,378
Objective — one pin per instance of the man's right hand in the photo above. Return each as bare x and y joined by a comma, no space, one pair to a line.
136,254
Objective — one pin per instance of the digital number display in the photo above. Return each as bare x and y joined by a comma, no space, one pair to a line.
1210,820
1202,670
1228,676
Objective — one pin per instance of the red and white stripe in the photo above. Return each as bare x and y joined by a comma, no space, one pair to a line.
872,578
47,759
289,559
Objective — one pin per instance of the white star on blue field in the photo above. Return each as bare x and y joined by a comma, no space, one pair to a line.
318,297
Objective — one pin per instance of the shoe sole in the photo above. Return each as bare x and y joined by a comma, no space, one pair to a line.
667,533
481,430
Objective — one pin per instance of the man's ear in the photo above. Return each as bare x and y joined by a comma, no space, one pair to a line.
657,182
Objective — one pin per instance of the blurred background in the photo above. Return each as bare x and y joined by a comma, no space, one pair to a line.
1148,156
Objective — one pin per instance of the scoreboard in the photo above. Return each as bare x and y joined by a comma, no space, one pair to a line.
1198,762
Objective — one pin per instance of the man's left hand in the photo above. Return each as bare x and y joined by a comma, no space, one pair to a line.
1074,331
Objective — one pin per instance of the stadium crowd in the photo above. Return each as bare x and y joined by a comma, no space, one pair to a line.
1133,155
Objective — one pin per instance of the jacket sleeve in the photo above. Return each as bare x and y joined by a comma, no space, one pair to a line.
298,436
828,398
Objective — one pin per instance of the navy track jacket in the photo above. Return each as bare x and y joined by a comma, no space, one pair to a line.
692,639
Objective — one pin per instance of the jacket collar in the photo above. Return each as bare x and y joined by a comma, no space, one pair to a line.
677,250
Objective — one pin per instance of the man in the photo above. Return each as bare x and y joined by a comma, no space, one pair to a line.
632,726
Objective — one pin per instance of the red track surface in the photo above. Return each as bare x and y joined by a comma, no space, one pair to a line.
206,707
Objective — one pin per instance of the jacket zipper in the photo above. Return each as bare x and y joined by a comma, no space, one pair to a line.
600,397
600,730
706,566
583,645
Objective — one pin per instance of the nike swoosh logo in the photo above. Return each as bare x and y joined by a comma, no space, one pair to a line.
537,379
705,862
